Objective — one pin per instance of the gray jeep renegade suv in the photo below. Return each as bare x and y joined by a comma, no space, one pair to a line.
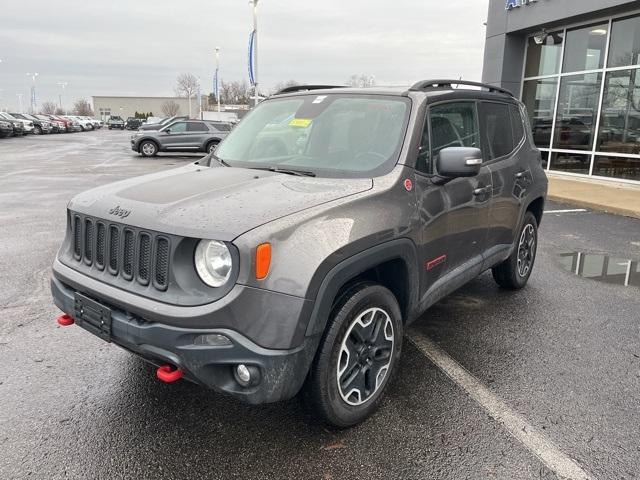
293,257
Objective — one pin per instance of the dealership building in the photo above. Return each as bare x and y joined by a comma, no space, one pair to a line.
125,107
576,66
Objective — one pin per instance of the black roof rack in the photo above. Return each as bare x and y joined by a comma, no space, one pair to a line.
300,88
423,85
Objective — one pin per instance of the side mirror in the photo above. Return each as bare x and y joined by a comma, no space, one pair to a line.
459,162
168,130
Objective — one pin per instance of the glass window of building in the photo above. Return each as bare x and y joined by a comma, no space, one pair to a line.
585,48
571,162
539,96
544,58
625,42
577,112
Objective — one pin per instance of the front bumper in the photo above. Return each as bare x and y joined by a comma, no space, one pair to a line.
281,372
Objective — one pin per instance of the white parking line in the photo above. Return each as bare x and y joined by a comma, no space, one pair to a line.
573,210
517,426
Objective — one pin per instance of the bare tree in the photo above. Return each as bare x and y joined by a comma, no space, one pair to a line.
361,80
59,111
82,107
48,108
187,85
236,92
282,85
170,108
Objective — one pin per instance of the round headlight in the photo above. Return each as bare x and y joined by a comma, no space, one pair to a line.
213,262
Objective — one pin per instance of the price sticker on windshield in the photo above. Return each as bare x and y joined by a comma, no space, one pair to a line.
300,122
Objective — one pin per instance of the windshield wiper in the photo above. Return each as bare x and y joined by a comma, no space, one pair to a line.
287,171
220,161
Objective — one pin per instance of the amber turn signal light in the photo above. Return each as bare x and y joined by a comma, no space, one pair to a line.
263,260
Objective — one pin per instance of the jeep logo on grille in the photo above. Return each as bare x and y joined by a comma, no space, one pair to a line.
119,212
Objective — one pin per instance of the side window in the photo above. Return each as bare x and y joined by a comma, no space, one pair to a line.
453,125
517,124
196,127
496,127
178,127
222,127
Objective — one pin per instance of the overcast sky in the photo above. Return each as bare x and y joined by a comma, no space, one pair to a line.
138,47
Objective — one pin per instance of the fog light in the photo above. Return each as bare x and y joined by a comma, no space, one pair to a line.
212,340
243,375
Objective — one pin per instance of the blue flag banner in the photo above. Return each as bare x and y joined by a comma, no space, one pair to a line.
252,80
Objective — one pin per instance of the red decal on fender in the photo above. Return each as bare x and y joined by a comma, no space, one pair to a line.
431,264
408,185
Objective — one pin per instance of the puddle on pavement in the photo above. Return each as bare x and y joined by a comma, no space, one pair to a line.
603,268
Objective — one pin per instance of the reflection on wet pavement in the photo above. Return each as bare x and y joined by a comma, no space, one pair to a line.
604,268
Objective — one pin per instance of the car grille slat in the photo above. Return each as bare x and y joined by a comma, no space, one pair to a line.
88,241
100,245
129,253
162,263
126,252
114,249
144,258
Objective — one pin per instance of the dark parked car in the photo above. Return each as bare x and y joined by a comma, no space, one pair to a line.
133,123
180,136
162,123
115,122
6,128
20,126
293,259
39,126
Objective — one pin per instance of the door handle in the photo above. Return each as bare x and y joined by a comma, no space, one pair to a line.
520,175
481,191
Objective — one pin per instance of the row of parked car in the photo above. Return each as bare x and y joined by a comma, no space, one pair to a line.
15,124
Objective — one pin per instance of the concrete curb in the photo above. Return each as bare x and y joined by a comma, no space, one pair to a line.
627,212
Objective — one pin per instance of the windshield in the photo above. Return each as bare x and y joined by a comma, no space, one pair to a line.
335,135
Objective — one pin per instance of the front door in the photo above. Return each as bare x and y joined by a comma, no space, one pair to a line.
175,136
454,214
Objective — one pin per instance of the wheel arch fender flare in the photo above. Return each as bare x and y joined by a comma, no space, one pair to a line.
403,249
209,141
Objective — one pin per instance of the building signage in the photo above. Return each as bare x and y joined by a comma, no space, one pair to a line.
511,4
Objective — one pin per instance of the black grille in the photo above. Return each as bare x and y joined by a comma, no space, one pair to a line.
88,241
129,253
101,243
144,258
126,251
77,233
114,248
162,262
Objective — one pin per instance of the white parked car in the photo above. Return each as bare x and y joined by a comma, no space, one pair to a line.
84,123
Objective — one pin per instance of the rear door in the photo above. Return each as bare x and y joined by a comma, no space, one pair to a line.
198,133
503,137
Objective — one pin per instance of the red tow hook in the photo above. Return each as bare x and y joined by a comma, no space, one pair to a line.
65,320
167,374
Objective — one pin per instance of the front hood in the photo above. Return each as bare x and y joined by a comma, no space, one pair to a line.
219,203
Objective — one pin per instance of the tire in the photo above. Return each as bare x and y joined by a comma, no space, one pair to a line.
514,272
344,387
211,146
148,148
37,131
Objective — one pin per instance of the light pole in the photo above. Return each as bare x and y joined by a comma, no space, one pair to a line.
255,47
218,79
63,85
33,91
19,95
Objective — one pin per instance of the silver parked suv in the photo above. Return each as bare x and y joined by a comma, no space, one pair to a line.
180,136
293,257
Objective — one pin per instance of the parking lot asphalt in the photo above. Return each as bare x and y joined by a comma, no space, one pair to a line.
562,355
